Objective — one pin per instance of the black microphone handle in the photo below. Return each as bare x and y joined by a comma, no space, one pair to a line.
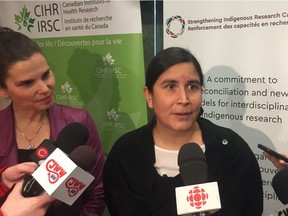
31,187
191,157
201,214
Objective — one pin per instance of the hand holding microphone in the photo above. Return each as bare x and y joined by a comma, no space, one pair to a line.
12,178
17,205
196,196
15,173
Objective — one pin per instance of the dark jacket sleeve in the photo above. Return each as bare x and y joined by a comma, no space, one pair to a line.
122,191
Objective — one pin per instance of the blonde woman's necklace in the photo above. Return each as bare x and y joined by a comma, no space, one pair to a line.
30,144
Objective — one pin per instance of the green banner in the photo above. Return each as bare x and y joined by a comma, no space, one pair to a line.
101,76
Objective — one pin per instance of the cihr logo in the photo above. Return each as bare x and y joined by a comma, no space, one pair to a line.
197,197
55,171
47,17
74,186
108,59
67,95
112,122
24,19
112,114
109,70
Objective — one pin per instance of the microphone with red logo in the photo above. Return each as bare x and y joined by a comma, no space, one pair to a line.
279,184
66,178
70,137
196,196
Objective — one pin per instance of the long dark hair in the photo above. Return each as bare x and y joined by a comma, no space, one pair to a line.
14,47
167,58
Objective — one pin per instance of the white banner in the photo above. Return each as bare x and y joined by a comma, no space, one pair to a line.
242,48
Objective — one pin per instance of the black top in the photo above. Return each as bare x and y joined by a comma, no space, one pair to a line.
24,155
133,186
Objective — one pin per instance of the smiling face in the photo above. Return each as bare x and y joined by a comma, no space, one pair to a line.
30,84
176,97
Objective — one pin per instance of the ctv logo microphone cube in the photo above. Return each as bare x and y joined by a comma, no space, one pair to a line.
61,178
282,211
198,198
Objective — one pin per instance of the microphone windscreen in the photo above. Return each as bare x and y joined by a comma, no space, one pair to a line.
72,136
192,164
84,157
280,186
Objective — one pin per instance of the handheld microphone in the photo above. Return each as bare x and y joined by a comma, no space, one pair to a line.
60,176
70,137
84,157
196,196
192,164
279,184
43,151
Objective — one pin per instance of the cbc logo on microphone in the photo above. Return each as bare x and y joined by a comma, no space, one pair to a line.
197,197
42,153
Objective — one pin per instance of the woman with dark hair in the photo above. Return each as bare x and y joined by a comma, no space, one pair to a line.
141,170
27,80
